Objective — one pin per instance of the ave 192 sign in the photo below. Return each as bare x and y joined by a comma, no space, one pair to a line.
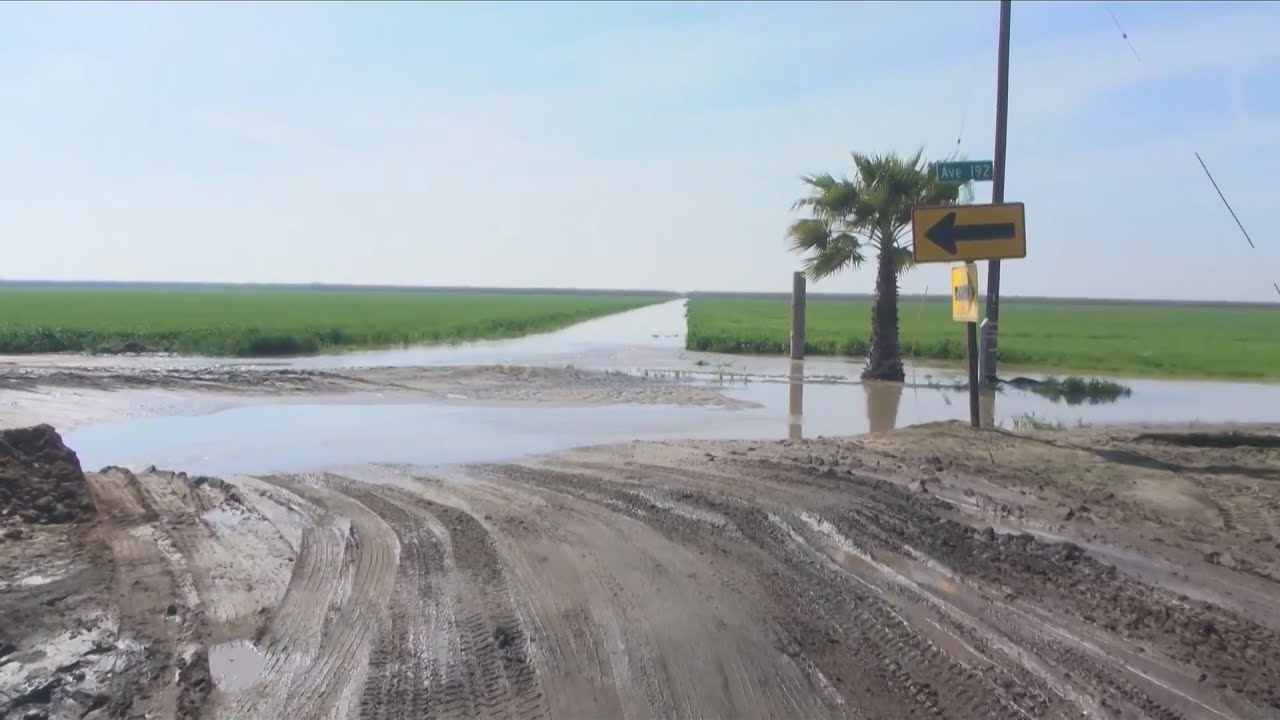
965,171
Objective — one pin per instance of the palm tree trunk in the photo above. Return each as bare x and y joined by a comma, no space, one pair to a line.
884,357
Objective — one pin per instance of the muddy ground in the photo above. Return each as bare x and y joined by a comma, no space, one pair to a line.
68,395
928,572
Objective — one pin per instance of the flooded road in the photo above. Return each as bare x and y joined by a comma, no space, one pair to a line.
779,399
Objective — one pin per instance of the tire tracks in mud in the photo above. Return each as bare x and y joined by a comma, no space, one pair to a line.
455,646
154,594
917,641
716,661
1067,585
608,584
316,639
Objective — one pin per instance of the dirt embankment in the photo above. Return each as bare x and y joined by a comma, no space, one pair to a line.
40,478
933,572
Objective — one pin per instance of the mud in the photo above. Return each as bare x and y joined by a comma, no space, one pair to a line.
40,479
497,382
930,572
71,396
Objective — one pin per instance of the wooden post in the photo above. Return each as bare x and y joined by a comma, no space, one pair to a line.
797,316
971,343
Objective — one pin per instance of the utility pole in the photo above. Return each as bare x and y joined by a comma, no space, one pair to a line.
991,324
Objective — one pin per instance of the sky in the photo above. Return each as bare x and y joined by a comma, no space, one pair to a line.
623,145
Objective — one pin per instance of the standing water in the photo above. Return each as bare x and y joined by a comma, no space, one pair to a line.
819,396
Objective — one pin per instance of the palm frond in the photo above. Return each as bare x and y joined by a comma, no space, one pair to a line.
872,209
809,234
827,252
842,251
829,197
903,258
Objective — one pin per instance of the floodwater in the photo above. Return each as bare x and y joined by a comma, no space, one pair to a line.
815,397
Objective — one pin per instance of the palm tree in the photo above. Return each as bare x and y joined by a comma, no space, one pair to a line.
873,210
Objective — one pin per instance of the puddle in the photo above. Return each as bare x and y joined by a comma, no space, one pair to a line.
283,437
236,665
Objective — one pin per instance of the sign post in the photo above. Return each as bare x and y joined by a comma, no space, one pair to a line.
966,233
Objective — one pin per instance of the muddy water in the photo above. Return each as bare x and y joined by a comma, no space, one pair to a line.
812,398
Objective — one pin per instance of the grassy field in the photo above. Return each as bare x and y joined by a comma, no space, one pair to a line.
1162,339
246,323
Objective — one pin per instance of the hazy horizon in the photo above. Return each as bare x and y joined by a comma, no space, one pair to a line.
675,294
622,145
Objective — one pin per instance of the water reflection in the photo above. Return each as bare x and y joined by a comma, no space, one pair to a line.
795,404
987,406
883,399
882,403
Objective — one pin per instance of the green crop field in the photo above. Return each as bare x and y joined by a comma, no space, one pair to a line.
246,323
1163,339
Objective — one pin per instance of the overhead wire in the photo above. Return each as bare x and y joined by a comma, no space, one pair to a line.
1125,36
964,105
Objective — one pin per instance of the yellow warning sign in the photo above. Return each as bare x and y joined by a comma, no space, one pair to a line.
964,233
964,293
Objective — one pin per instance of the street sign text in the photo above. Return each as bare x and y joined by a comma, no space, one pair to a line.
966,171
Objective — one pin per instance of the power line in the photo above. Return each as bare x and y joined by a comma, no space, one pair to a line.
1227,204
964,107
1235,217
1123,34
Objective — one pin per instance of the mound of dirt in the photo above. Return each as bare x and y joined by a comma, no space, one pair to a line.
40,478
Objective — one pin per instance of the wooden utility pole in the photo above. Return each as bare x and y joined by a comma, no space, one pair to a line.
991,325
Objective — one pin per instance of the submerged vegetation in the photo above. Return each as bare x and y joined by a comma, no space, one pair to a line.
1071,390
1075,390
259,323
1031,421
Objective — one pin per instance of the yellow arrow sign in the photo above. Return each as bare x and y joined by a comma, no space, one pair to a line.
964,293
950,233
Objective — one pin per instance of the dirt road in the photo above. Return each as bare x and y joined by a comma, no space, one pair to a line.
932,572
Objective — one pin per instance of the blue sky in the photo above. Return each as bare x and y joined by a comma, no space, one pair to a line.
653,145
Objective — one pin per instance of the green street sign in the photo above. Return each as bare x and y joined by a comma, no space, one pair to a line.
966,171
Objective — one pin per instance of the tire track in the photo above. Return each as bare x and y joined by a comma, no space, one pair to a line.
402,674
1063,577
709,528
155,599
494,675
371,559
292,638
143,589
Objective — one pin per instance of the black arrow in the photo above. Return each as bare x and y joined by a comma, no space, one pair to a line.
945,233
